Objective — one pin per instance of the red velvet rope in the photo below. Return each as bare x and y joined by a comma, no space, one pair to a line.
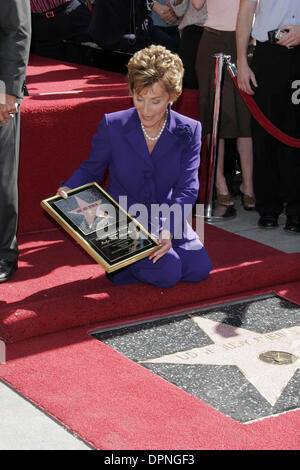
264,121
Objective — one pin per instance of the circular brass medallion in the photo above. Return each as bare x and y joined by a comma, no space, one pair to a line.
278,357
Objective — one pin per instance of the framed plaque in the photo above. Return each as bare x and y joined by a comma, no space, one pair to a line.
101,226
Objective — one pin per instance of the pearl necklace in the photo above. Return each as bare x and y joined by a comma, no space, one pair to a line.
153,139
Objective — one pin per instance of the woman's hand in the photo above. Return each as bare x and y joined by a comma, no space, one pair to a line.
165,239
246,77
62,191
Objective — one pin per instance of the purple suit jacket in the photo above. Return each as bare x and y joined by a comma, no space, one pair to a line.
168,175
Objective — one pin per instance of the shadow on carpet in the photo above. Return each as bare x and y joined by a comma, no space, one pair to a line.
58,286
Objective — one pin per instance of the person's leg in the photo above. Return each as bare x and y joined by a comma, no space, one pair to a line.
77,22
46,39
189,41
70,22
196,264
223,195
245,149
273,96
9,164
168,37
166,272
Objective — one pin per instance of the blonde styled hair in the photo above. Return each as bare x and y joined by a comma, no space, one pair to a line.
155,64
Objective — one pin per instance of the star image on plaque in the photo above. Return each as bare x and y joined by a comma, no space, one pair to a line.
87,211
242,359
101,226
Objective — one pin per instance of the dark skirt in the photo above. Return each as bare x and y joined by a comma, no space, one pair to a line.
234,118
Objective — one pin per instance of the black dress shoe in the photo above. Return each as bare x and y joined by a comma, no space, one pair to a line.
292,223
268,221
7,269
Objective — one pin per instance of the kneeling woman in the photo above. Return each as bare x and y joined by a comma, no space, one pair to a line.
153,155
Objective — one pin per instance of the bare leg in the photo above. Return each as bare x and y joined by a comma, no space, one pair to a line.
244,146
223,195
220,179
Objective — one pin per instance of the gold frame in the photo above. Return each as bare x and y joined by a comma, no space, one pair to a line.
78,235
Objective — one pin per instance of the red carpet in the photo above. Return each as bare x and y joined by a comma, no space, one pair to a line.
109,401
58,286
114,404
59,294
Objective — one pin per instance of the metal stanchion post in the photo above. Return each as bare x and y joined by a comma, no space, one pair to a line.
230,66
216,212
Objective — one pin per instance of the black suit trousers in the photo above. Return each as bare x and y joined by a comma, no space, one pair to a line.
69,22
276,172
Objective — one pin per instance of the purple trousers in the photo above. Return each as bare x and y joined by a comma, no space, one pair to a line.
178,264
